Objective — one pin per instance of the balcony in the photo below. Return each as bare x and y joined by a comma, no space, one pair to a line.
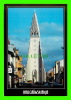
16,51
20,58
19,74
19,65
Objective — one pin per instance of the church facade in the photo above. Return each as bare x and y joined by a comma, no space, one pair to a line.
35,71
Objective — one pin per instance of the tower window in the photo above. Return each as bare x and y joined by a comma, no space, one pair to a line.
32,33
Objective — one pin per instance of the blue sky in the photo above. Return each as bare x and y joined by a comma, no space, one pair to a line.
50,22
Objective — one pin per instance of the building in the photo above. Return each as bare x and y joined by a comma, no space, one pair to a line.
56,74
14,66
24,76
34,70
10,65
59,72
44,75
50,75
19,67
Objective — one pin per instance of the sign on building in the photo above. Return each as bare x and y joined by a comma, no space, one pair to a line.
9,70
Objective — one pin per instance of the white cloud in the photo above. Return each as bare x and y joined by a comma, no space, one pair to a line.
20,43
51,27
51,43
48,44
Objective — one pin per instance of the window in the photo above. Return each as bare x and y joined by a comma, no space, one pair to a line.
32,33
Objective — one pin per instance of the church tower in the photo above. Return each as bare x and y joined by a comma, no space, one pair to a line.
34,70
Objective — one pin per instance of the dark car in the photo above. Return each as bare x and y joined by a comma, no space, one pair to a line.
53,85
24,85
47,84
57,85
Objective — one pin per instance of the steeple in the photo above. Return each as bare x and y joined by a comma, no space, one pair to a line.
34,67
34,28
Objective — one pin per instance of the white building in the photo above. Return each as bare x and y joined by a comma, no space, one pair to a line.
24,76
12,69
59,68
34,68
11,64
44,75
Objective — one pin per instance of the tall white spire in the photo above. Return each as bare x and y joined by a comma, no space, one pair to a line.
34,28
34,69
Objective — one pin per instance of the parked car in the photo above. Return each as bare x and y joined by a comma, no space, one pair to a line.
47,84
53,85
57,85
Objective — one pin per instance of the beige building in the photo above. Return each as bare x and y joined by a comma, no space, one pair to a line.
50,75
